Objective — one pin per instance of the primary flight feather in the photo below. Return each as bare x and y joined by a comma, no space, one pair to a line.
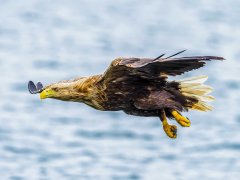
139,86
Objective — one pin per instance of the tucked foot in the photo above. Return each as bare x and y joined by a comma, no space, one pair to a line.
170,130
183,121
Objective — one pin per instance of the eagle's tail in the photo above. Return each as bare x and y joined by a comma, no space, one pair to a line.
193,88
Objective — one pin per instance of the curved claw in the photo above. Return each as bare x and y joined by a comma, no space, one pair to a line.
183,121
33,89
170,130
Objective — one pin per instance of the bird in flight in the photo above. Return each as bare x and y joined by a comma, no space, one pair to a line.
140,87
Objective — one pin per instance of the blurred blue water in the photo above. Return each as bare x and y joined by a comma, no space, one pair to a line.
50,41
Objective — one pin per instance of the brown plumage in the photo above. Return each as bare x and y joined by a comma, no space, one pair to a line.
139,86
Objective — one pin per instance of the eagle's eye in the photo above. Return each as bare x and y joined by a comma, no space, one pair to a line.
55,89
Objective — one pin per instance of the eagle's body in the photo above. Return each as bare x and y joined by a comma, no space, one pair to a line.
139,86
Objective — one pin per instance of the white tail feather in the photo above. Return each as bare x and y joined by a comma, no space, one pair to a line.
196,79
194,87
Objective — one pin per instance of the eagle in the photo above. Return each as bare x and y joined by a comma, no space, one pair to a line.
140,87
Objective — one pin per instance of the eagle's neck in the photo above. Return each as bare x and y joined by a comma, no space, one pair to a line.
80,90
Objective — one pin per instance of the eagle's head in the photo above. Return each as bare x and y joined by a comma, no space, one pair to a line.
54,91
71,90
66,91
78,90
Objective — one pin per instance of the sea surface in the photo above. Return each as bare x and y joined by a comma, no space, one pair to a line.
49,41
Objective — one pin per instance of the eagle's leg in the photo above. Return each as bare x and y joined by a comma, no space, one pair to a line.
183,121
170,130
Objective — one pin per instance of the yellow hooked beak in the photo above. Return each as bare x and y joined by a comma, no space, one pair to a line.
47,93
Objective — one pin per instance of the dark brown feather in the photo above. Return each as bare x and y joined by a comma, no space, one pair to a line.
169,66
139,86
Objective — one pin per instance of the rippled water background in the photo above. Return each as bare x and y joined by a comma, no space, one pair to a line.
53,40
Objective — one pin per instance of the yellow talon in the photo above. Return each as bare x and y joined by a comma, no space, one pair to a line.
183,121
170,130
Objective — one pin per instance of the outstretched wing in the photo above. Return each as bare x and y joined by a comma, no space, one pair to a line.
147,68
127,78
168,66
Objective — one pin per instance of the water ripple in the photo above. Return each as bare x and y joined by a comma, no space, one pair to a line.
112,134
